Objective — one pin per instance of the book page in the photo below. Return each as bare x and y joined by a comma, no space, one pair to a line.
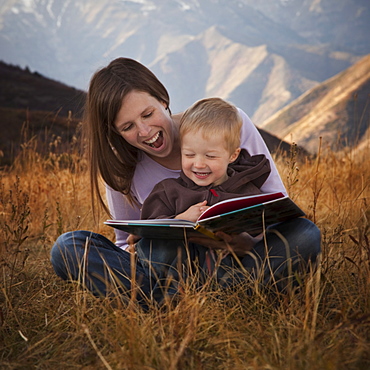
252,219
233,204
154,221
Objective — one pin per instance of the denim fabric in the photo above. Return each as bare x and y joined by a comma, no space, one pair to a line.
99,265
288,248
103,267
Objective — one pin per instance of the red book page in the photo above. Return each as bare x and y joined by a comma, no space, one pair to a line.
238,203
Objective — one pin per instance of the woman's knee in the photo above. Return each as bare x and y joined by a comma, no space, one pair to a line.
302,236
64,253
58,249
310,236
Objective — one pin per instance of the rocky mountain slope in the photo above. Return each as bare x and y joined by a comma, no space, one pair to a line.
259,55
338,110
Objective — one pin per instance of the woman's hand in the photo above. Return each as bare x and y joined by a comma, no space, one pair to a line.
193,212
131,240
240,244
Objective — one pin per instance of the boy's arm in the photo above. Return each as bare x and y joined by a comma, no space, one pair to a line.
160,204
157,205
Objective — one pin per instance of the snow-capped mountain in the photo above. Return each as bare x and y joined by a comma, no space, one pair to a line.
260,55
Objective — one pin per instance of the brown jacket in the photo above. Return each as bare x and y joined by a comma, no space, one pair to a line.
173,196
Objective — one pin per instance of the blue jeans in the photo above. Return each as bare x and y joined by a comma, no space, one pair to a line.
103,268
99,265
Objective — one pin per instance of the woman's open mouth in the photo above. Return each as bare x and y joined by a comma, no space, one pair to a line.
156,141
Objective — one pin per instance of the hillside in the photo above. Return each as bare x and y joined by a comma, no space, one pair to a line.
37,108
22,89
34,106
337,110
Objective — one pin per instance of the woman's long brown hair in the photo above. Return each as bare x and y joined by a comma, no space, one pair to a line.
110,156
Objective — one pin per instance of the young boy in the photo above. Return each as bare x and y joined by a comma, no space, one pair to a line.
213,166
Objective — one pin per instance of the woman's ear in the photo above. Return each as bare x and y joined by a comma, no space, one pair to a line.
234,155
166,106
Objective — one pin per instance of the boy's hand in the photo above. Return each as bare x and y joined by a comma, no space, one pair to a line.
193,212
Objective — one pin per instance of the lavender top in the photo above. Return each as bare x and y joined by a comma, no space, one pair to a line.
148,173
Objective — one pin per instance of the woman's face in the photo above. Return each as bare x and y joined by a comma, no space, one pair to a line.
145,123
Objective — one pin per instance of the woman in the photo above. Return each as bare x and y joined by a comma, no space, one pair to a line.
133,144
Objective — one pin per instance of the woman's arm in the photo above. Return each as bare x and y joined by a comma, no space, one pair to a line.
121,209
252,141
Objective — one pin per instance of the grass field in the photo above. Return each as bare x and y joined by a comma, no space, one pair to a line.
46,323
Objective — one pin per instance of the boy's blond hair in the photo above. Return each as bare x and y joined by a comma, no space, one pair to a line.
213,116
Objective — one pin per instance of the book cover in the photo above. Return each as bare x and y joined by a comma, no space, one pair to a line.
250,214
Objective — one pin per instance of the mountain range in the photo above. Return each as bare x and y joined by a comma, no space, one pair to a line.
337,110
261,55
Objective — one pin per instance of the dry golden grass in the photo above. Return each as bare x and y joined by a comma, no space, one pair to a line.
48,324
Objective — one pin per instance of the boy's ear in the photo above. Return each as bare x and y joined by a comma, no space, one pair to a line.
234,155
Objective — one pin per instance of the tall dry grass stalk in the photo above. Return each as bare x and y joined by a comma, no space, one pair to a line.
47,323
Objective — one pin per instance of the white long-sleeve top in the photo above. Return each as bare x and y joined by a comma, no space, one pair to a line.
148,173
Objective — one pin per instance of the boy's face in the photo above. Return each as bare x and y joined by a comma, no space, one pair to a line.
205,160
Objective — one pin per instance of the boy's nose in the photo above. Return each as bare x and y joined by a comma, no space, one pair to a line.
199,163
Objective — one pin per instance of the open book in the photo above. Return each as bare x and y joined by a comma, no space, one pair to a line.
251,214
